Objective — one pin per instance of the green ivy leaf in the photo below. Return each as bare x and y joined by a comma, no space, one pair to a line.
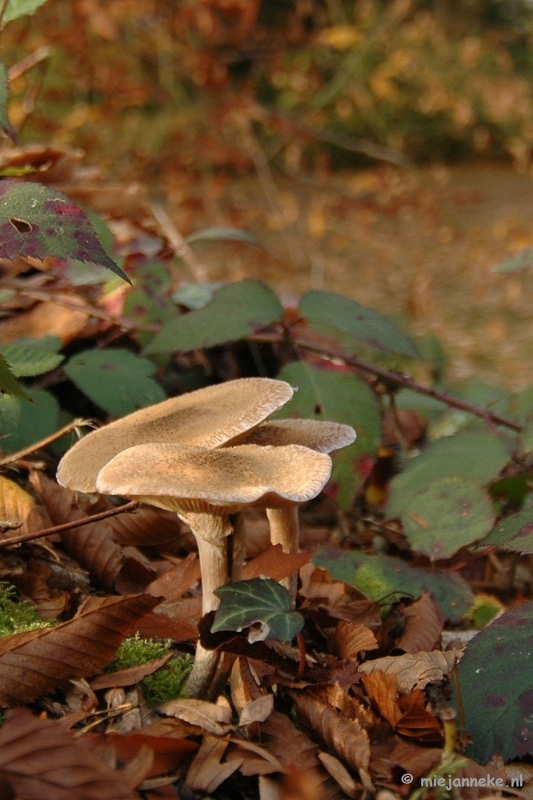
236,311
18,8
36,222
386,579
451,513
341,397
5,124
332,312
116,380
259,600
477,456
8,384
495,680
29,357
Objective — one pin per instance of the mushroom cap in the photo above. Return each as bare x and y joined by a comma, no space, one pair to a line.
208,417
322,436
203,480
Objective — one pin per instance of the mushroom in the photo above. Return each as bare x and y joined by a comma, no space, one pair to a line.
205,486
322,436
209,417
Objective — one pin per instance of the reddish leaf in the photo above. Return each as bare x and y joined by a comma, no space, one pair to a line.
35,663
423,626
129,676
37,222
275,564
38,758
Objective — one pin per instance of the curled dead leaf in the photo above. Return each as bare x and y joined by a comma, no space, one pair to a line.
414,670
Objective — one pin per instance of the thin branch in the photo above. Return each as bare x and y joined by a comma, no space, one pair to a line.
179,245
68,526
41,54
32,448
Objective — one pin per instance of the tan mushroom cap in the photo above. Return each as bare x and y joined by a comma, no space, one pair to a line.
208,417
322,436
201,480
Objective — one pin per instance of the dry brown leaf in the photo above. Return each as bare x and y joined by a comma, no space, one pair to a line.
257,710
139,768
159,626
178,580
413,758
47,319
383,691
343,736
48,585
207,771
416,722
212,717
351,638
318,583
168,751
128,677
274,563
38,758
19,514
423,626
298,753
414,670
243,684
146,527
339,773
35,663
255,759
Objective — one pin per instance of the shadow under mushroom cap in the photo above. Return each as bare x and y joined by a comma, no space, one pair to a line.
171,475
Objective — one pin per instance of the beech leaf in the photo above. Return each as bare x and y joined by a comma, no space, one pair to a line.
258,600
39,758
38,222
35,663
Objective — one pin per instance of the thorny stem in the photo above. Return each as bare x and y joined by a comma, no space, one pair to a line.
67,526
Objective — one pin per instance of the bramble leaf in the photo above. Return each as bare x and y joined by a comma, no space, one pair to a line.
332,312
18,8
258,600
8,384
39,222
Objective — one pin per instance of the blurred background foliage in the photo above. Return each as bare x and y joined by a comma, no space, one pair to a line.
448,79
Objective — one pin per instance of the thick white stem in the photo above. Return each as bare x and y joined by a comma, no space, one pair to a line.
211,533
284,530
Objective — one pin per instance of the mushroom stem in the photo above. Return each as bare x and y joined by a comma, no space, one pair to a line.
211,532
284,530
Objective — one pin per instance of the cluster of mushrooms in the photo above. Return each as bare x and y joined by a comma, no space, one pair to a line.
208,455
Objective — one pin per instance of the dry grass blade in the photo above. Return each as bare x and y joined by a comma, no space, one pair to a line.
423,626
35,663
345,737
38,758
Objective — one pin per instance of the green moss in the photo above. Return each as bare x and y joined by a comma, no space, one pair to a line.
167,682
135,651
17,617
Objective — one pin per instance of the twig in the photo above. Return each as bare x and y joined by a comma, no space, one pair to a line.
396,378
68,526
179,245
32,448
18,70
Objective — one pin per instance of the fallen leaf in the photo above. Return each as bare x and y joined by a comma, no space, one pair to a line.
383,691
178,580
274,563
351,638
257,710
18,510
414,670
128,677
38,758
35,663
339,773
212,717
256,760
207,771
423,626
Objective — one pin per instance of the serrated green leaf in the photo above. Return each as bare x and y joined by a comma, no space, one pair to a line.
474,455
37,222
495,681
36,420
451,513
514,533
259,600
5,124
29,357
19,8
332,312
149,302
236,311
223,235
340,397
82,273
116,380
386,579
8,383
